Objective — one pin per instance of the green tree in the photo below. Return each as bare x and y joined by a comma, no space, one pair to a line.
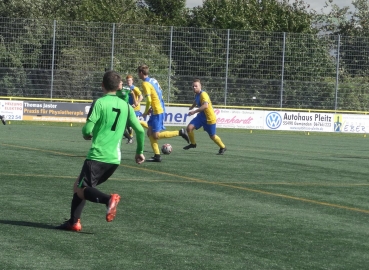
113,11
23,45
343,21
164,12
258,15
353,29
21,8
255,58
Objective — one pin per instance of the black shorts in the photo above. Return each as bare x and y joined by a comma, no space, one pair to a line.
94,173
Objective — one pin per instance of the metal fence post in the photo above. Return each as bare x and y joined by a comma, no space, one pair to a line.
337,71
112,48
53,61
170,61
226,74
282,72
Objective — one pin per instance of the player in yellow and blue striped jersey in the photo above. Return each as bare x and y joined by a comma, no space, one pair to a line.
156,108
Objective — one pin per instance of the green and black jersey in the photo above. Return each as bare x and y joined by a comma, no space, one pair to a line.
124,93
106,124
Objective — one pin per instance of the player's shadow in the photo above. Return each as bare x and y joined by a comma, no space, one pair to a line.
31,224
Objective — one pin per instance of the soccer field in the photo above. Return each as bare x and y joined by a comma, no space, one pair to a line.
275,200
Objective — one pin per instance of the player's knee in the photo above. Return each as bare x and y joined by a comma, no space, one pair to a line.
80,193
190,128
78,190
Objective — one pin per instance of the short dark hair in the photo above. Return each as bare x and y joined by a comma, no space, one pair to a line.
111,80
196,80
144,69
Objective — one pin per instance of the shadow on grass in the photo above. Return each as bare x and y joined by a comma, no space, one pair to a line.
34,225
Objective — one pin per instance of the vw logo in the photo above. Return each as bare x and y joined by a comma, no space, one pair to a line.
273,120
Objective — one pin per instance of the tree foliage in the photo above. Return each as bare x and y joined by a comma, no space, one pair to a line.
258,15
253,35
353,29
343,21
164,12
112,11
21,9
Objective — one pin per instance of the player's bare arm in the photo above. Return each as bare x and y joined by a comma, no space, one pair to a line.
203,107
193,105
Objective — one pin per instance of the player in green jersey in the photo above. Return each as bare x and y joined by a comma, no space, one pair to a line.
105,126
124,93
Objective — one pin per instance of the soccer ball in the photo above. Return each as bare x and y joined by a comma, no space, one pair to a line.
166,149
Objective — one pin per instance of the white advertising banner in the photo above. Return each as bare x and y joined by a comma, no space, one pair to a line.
351,123
178,116
299,121
245,119
12,110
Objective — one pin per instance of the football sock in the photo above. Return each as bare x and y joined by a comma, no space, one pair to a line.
168,134
191,136
218,141
154,145
144,124
76,208
96,196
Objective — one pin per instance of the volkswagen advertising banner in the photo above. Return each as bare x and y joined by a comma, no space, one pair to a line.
299,121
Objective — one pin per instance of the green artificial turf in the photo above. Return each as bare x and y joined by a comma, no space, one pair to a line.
275,200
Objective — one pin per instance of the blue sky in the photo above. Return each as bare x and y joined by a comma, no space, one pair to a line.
314,4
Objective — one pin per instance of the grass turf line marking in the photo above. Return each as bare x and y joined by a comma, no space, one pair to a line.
191,181
40,150
256,191
111,178
218,184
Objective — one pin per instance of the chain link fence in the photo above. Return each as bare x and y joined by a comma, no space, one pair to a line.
62,59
